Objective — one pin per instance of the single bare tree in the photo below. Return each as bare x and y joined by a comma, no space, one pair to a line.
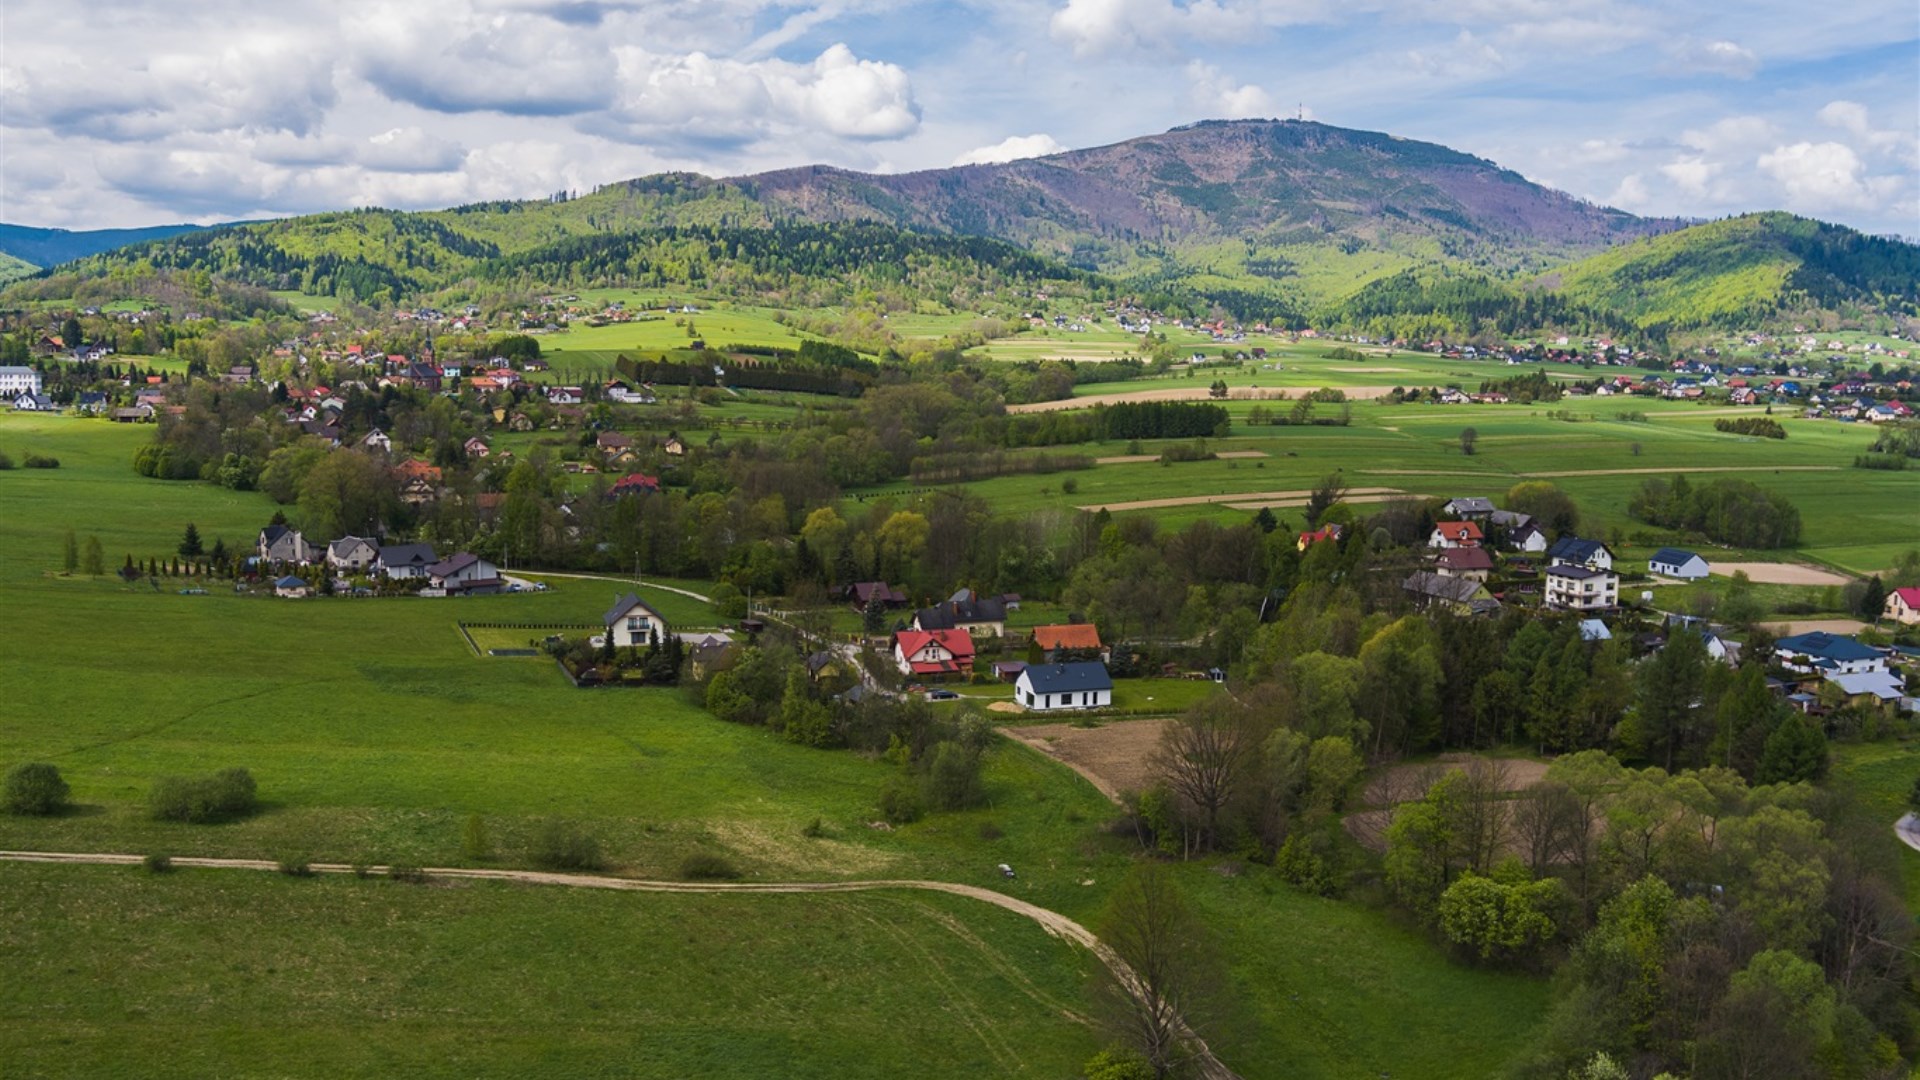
1166,982
1204,756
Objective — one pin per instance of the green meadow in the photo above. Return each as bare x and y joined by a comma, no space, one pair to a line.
376,734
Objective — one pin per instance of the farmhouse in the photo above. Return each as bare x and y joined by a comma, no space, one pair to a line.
1903,606
465,573
1676,563
564,395
933,653
634,484
279,544
1471,563
1573,551
1461,595
863,593
1070,638
403,561
34,403
1527,538
1574,587
964,612
352,554
631,623
1472,509
1456,534
1052,687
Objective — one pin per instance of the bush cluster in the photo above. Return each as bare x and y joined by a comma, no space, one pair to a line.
224,796
33,787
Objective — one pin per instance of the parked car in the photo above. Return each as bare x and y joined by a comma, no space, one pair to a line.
941,695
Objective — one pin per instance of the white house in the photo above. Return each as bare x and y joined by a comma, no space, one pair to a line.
632,624
292,588
1827,654
1527,538
464,573
1903,606
1573,551
15,381
403,561
565,395
933,653
1053,687
1581,588
1676,563
352,554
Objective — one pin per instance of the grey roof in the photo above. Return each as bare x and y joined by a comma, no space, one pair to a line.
407,555
1455,589
1512,519
1575,571
1068,678
290,583
1880,684
1594,630
956,612
345,544
625,604
1473,505
453,564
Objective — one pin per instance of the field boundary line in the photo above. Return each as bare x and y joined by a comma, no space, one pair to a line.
1047,919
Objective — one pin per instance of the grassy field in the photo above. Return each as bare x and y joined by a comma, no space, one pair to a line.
1881,775
112,971
375,732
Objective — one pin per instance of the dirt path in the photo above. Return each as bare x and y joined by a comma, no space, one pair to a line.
1808,626
1051,921
1277,497
628,582
1687,469
1767,573
1199,393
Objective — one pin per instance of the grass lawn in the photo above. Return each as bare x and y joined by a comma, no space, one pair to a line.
113,971
1882,774
1328,989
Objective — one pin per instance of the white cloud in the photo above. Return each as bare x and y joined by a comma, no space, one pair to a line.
1721,57
1631,194
1735,134
1221,97
441,57
1011,148
410,150
1691,175
720,101
1466,57
1825,176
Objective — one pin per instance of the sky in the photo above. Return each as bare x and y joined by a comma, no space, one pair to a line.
119,113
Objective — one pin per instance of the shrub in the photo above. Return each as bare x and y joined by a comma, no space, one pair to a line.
294,866
227,794
900,801
474,844
41,461
5,461
814,829
708,866
34,787
157,863
565,845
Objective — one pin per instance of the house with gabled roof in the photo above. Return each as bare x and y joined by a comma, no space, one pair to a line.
1464,562
1469,509
965,612
1054,687
465,573
1454,534
933,653
632,623
1577,587
1069,638
1903,606
404,561
863,593
281,545
634,484
1462,595
1677,563
352,554
1573,551
1821,653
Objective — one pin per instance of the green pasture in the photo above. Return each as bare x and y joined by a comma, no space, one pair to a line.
1881,775
114,971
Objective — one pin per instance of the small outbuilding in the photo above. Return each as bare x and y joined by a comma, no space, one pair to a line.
292,587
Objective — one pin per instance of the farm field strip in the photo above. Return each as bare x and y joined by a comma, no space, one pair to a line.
1278,497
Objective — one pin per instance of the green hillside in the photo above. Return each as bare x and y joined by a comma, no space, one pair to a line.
13,269
1745,271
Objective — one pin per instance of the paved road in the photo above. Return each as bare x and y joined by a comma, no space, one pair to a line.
1051,921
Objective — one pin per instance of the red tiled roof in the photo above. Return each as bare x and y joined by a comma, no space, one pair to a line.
1067,636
